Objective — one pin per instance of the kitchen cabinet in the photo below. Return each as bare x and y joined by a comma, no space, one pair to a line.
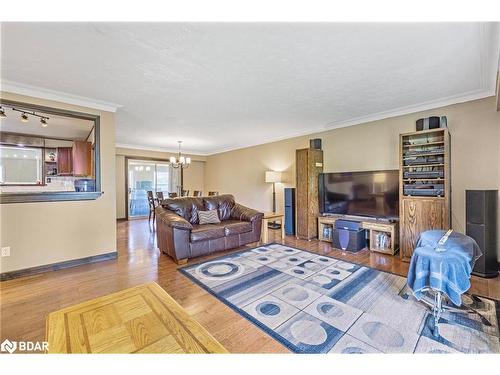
64,161
82,158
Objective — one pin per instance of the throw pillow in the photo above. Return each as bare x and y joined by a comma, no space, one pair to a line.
208,217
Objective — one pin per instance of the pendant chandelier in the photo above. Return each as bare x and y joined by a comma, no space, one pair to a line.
180,160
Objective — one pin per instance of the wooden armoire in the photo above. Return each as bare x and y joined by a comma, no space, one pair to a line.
424,186
309,164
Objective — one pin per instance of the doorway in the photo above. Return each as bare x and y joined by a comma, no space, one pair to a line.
148,175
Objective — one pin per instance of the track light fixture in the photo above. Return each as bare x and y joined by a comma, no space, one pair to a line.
25,118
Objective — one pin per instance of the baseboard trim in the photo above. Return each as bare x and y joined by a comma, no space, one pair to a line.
57,266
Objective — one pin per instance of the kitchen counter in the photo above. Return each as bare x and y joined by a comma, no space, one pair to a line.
58,183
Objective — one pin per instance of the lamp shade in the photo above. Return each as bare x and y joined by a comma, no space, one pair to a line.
273,176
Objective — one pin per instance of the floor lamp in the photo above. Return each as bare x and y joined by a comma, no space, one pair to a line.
273,177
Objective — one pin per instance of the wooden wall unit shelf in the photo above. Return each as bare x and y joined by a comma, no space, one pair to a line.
419,213
374,227
309,164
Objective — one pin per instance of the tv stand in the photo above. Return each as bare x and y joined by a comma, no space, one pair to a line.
374,227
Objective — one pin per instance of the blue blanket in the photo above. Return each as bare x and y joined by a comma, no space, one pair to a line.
448,271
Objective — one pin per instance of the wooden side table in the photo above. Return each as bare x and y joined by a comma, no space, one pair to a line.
268,217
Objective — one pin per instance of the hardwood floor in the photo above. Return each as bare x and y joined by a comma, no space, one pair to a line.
26,302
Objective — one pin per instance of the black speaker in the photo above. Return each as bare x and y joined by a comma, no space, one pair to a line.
315,144
481,210
433,122
348,235
290,211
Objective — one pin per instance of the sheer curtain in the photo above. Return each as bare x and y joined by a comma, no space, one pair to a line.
175,180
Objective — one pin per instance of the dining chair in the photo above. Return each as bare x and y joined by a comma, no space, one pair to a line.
172,195
211,193
159,196
197,193
185,193
152,206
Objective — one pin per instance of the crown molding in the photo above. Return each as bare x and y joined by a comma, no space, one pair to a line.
489,53
159,149
421,107
435,104
43,93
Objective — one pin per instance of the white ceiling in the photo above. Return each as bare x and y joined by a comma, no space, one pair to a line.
57,126
221,86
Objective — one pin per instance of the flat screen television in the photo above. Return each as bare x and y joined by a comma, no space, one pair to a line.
371,193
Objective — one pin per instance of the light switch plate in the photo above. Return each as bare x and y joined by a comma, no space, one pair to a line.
6,251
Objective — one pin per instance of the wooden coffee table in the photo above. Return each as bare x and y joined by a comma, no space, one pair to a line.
268,217
142,319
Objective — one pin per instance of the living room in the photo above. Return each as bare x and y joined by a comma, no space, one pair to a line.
256,194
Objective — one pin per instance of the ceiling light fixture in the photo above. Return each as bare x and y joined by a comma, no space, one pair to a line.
181,160
25,118
2,113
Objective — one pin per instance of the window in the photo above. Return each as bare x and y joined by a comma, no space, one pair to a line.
20,165
149,175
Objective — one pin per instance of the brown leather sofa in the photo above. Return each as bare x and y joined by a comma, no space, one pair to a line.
180,235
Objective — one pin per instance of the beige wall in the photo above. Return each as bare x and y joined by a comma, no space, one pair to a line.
51,232
242,172
475,159
193,176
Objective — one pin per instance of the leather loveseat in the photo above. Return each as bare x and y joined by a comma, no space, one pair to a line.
180,235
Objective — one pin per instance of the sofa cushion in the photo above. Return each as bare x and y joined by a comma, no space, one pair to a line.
186,207
243,213
223,203
208,217
236,227
207,232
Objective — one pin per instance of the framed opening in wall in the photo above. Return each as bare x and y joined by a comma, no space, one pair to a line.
48,154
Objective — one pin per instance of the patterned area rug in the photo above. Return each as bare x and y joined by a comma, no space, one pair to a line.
317,304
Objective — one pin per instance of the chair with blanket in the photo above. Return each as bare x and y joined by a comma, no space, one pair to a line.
441,267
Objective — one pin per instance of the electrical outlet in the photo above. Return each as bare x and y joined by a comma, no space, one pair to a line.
6,251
